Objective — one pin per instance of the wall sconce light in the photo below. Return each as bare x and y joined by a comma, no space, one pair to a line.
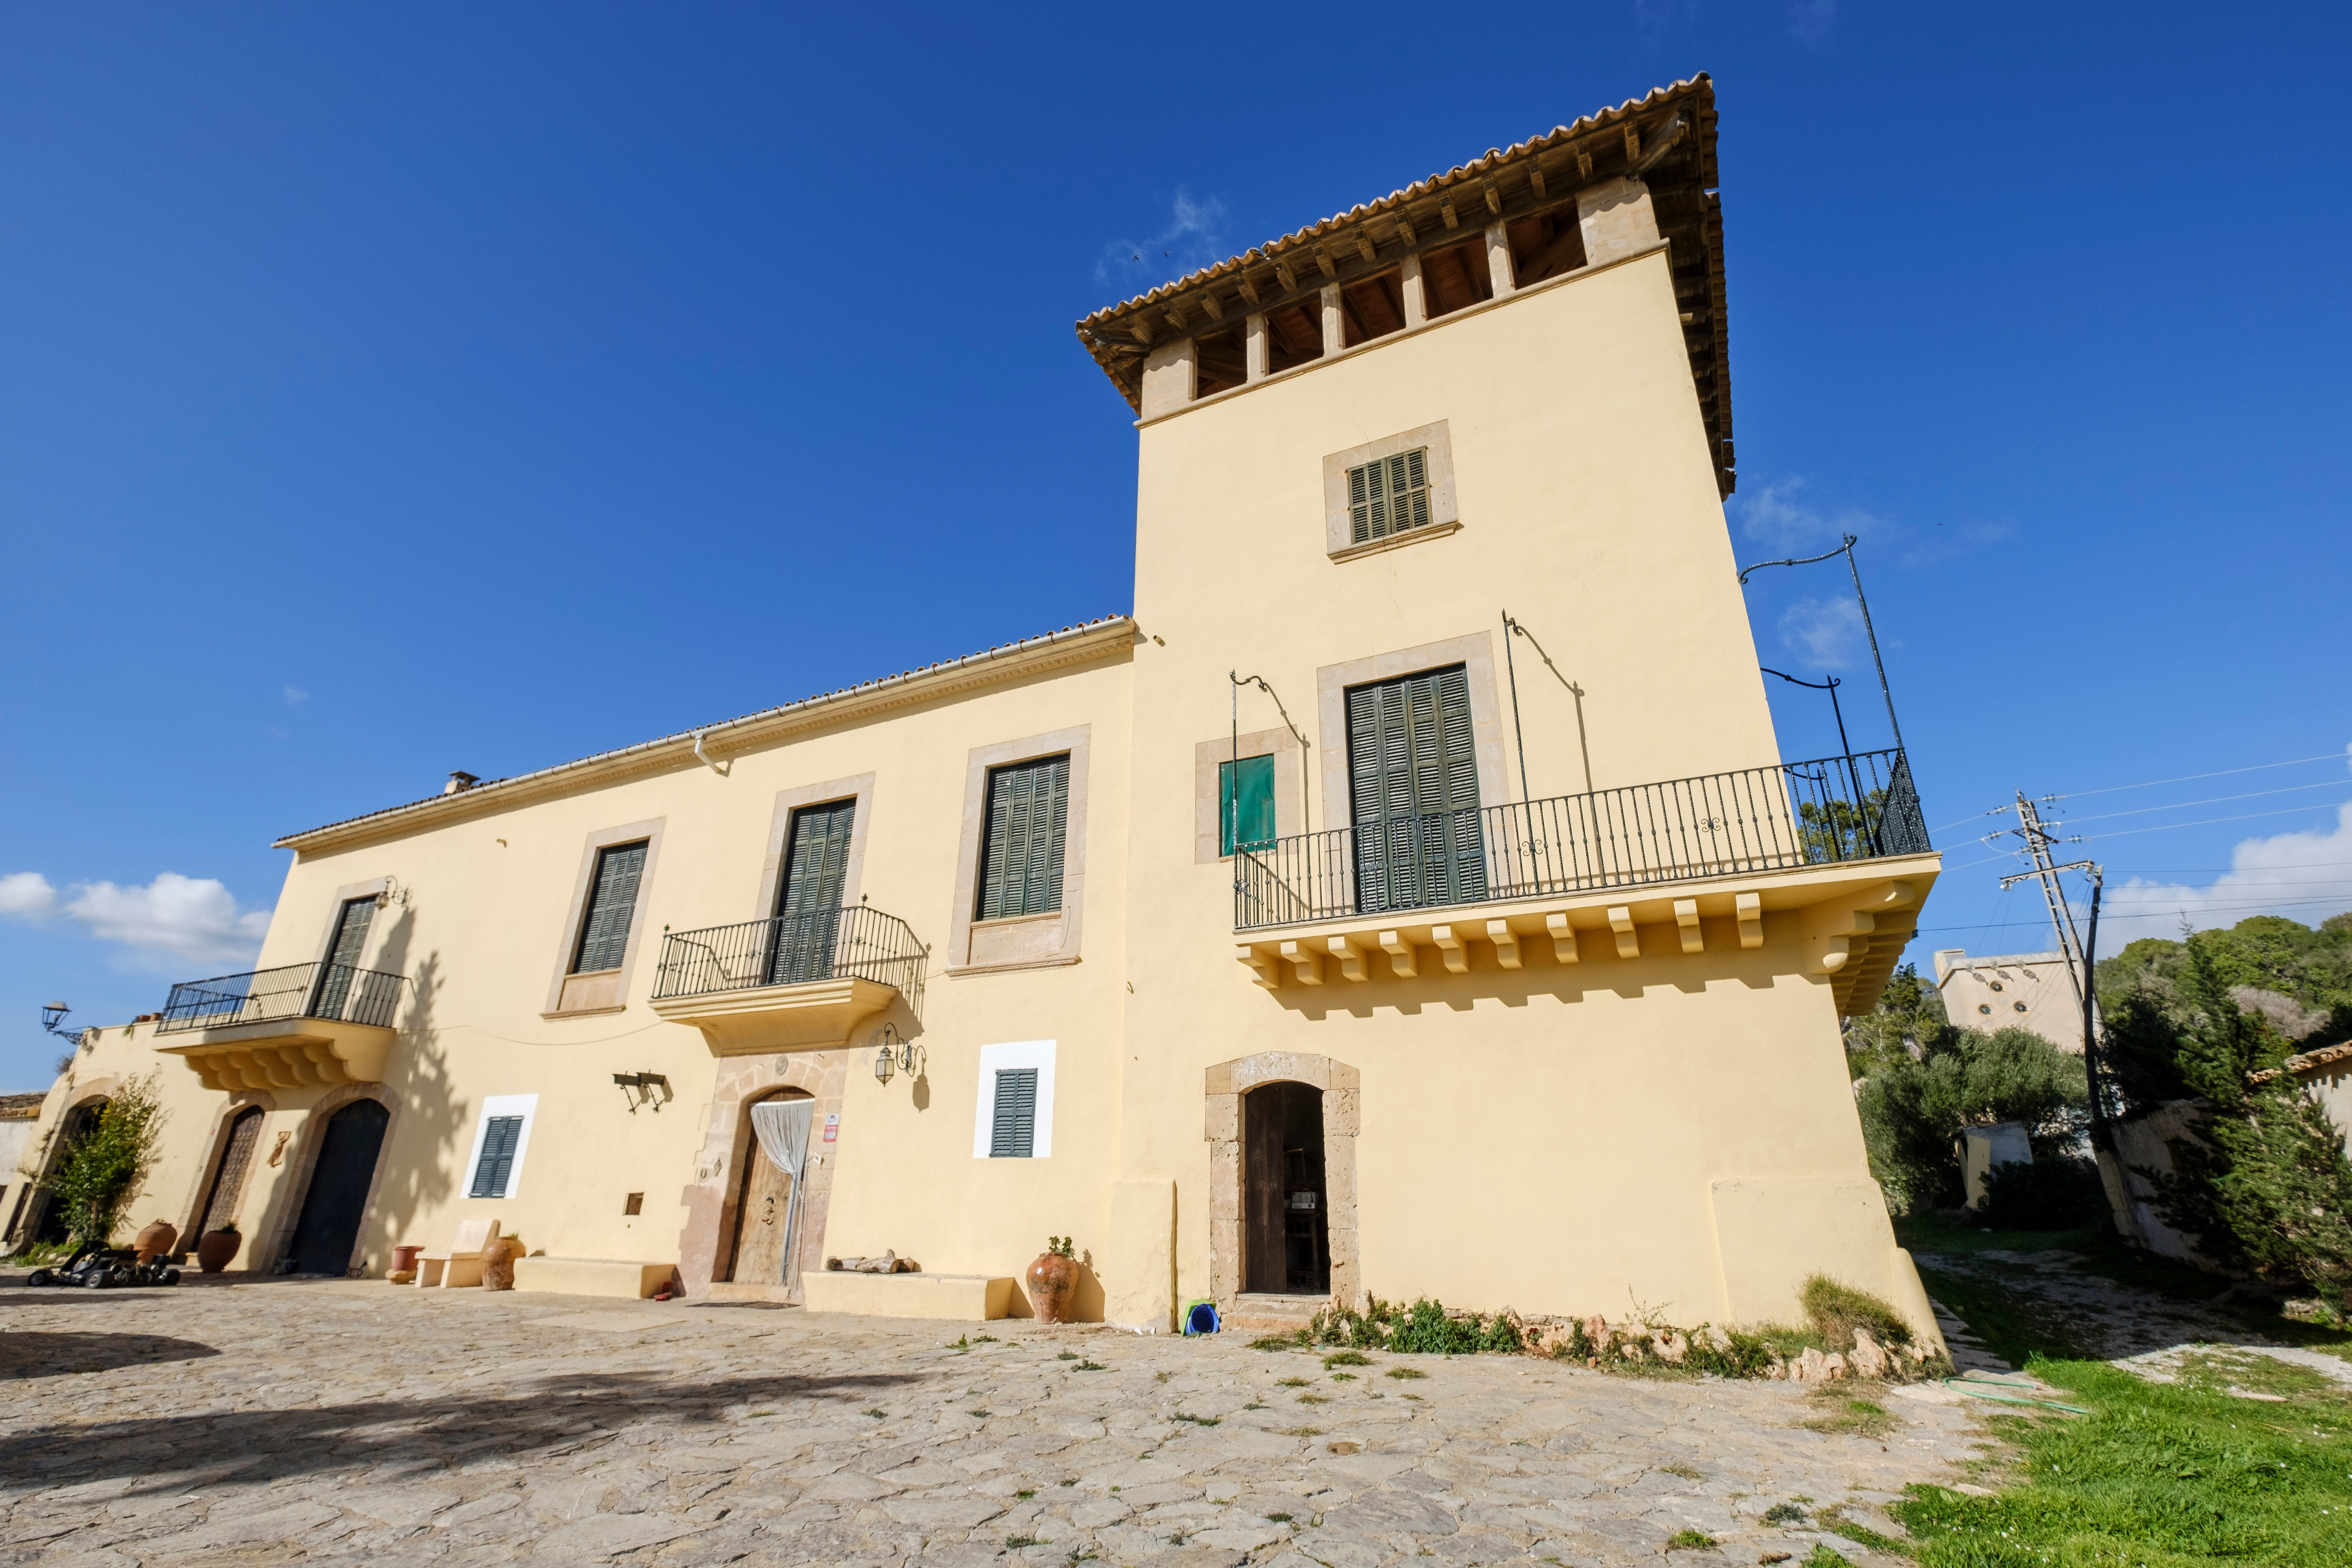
644,1089
890,1048
393,893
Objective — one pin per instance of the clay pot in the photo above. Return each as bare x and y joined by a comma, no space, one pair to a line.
156,1240
403,1260
1052,1283
215,1248
497,1263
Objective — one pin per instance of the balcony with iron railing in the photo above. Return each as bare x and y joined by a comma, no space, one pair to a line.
791,983
1606,858
296,1026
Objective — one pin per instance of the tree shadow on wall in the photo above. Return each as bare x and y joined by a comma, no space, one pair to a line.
435,1127
547,1417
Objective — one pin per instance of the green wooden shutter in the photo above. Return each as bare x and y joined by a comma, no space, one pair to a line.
491,1171
612,905
1413,786
1012,1131
334,987
808,905
1388,496
1024,844
1245,802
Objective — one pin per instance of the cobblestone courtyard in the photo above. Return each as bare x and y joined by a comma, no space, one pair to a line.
307,1422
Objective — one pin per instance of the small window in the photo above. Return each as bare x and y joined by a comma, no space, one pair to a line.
2019,1005
1456,277
1220,366
1371,308
611,904
1013,1126
1388,496
1294,333
1546,247
494,1168
1028,817
1245,802
1985,1007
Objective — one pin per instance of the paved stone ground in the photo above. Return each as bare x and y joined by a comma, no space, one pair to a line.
311,1422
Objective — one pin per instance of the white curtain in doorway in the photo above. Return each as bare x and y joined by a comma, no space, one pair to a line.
781,1127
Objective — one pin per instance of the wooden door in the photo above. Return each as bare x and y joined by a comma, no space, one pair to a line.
760,1222
1285,1228
329,1230
228,1182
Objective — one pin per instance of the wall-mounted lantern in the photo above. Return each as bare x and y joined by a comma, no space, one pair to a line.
890,1049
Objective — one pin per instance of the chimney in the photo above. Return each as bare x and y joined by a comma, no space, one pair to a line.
459,781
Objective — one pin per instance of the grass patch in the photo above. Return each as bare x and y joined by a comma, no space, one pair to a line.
1690,1540
1683,1471
1312,1399
1278,1519
1834,1520
2170,1474
1160,1377
2241,1371
1275,1342
1292,1383
2013,1325
1090,1366
983,1415
1844,1408
1025,1496
1015,1542
1066,1355
1822,1557
1837,1311
1197,1420
1406,1371
1343,1377
1304,1432
879,1415
1346,1358
1784,1514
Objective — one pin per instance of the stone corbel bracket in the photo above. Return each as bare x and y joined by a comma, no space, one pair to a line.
1855,940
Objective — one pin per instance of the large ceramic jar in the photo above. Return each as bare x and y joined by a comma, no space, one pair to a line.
156,1240
215,1248
1053,1282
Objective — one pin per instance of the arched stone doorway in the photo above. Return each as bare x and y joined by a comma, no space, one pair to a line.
327,1232
769,1223
48,1224
226,1190
1331,1088
706,1243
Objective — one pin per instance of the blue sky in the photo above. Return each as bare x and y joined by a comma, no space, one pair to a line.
384,394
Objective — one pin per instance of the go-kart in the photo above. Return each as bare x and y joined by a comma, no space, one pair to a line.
106,1269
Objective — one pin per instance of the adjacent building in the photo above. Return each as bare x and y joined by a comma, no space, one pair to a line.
1272,941
2034,991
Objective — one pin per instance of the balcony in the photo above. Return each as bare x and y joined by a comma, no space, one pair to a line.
302,1025
793,982
1818,833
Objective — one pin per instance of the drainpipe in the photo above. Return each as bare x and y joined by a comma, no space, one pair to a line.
704,757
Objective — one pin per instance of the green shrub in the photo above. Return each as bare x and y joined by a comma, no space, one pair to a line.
2059,1193
98,1175
1837,1311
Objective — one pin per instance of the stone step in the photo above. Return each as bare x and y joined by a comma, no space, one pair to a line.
1269,1314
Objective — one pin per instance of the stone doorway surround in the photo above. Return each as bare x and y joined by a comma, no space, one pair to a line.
1224,1086
705,1245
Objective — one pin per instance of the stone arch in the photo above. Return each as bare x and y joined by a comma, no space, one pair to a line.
705,1241
1224,1086
216,1145
28,1220
286,1209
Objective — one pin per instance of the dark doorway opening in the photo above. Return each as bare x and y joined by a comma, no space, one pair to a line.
329,1230
49,1227
1287,1244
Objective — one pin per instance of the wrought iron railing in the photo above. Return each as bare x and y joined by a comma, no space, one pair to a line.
829,944
1795,814
335,992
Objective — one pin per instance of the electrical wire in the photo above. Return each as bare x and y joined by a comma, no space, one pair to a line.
2216,800
2201,822
2187,778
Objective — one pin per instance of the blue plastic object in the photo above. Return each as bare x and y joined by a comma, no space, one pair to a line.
1201,1319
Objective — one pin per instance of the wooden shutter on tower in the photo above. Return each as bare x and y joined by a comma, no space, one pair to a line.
499,1140
1028,817
334,987
808,907
1414,782
611,904
1013,1132
1388,496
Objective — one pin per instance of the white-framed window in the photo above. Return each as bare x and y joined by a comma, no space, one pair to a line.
1015,1117
502,1138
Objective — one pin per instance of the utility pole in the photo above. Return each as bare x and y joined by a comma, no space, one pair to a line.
2038,840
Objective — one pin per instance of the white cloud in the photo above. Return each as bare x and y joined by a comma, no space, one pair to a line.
1780,517
1193,239
171,922
2304,876
1828,632
1810,21
296,697
26,896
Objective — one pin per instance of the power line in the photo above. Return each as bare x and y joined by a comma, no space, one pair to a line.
2216,800
2157,910
2187,778
2203,822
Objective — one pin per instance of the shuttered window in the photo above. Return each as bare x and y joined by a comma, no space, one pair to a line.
1246,803
1388,496
342,958
500,1136
1413,781
1013,1132
611,904
1021,856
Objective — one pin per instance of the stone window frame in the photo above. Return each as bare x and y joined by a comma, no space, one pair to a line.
857,787
523,1105
1208,756
1488,736
373,888
1014,1055
1020,941
649,830
1224,1087
1445,504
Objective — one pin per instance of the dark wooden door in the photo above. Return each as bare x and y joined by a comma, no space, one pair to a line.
329,1226
228,1182
1284,1227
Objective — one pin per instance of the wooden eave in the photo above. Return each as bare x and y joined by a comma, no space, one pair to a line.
1534,176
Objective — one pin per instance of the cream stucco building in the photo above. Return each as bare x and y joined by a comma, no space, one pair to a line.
1392,967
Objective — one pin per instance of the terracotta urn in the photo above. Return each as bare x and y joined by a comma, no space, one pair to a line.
1052,1283
404,1259
215,1248
156,1240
